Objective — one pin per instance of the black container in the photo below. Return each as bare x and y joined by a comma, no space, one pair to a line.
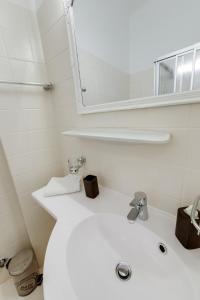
91,186
185,230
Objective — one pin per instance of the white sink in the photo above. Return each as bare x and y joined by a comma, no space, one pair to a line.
100,242
92,237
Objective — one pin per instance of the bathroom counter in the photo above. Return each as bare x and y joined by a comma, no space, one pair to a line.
70,210
107,201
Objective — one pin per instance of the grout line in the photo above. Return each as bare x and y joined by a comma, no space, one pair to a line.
58,54
21,60
46,31
49,60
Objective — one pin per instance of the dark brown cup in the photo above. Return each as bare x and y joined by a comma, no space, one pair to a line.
91,186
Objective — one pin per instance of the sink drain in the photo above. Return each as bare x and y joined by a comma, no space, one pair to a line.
123,271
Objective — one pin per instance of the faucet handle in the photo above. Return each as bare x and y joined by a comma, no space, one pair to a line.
76,164
140,198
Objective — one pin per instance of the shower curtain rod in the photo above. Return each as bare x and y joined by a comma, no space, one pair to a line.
46,86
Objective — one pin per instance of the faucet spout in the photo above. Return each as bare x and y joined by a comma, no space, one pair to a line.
139,207
133,214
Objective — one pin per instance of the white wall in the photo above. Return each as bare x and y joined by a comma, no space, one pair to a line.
27,125
103,33
129,36
37,3
23,3
29,4
103,49
168,173
13,232
160,27
101,80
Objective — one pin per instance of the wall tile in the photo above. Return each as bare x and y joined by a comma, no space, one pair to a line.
35,38
167,173
59,68
52,10
191,186
193,161
169,182
12,14
32,98
17,43
12,225
165,202
27,133
55,41
194,115
5,70
9,99
26,71
2,45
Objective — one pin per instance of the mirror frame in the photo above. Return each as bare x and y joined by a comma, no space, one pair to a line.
137,103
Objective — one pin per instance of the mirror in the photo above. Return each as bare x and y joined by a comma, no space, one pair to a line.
135,51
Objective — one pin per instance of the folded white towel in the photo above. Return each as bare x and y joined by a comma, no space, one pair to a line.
62,185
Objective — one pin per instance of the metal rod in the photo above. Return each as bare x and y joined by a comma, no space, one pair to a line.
46,86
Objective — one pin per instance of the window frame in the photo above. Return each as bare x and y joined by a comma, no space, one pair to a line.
176,54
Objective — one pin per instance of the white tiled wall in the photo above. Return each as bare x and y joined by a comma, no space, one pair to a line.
170,174
27,129
13,231
142,84
101,80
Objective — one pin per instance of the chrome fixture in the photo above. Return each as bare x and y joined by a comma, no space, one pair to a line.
3,262
139,207
76,165
84,90
46,86
193,215
123,271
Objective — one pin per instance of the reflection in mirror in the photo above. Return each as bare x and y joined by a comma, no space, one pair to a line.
166,77
133,49
178,71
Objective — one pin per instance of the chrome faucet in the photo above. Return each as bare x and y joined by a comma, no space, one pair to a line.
139,207
76,165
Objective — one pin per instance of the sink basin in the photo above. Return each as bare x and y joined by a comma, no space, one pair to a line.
94,253
100,242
